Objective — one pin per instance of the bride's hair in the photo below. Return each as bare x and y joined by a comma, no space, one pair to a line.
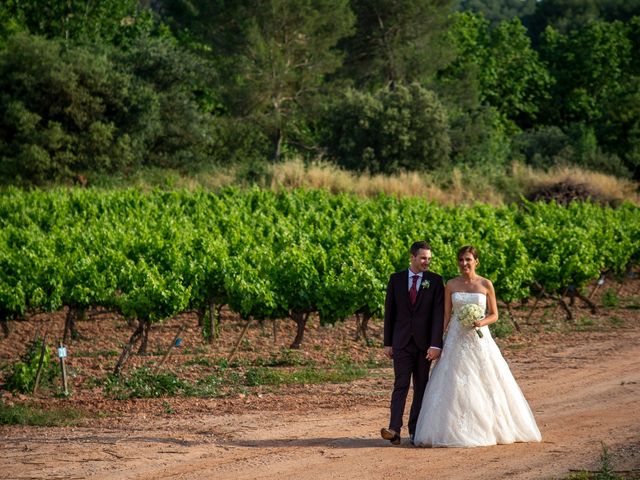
468,249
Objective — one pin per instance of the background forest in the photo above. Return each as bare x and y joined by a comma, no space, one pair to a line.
99,88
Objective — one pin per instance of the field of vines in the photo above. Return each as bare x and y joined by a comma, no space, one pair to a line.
266,255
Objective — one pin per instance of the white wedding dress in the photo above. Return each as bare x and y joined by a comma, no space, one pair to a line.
472,399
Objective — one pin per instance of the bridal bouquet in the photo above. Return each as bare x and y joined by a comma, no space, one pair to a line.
470,313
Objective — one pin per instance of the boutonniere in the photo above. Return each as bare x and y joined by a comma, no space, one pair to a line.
425,284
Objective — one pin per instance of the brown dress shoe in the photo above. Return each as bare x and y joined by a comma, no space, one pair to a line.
390,435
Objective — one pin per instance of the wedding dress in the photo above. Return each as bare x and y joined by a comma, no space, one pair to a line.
472,399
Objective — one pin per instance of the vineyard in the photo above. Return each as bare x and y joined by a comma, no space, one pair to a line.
265,255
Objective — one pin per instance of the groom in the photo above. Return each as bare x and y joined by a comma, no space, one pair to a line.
413,323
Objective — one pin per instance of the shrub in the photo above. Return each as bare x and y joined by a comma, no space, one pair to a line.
23,377
395,129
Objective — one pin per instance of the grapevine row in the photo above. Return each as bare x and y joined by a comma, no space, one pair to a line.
273,255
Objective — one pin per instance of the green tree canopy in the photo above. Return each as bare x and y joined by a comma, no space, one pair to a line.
506,69
108,21
397,41
404,128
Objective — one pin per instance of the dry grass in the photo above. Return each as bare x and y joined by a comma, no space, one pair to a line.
322,175
458,188
452,187
606,186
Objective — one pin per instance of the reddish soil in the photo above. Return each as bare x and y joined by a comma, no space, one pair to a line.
582,380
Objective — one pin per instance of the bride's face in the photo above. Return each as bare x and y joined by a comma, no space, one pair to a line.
467,263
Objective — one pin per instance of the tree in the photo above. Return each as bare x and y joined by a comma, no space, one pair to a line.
106,21
396,41
185,100
290,48
404,128
567,15
497,11
68,110
273,55
596,84
508,72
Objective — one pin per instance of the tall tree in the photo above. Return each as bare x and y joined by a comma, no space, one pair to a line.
397,41
566,15
502,63
596,88
498,10
274,54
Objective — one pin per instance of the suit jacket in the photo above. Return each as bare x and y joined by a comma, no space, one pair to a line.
422,321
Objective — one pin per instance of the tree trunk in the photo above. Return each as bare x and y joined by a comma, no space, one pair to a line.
70,330
242,334
588,302
213,331
535,304
4,322
362,323
126,351
512,317
200,312
565,307
301,323
145,338
277,150
364,326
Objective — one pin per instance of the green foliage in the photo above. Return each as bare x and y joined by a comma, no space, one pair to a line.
181,81
508,72
271,255
396,42
501,329
142,383
109,21
596,86
605,472
497,11
27,415
280,56
23,376
610,298
68,110
404,128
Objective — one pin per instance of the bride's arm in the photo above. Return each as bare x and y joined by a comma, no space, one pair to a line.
492,306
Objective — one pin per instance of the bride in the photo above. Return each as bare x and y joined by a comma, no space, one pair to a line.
472,399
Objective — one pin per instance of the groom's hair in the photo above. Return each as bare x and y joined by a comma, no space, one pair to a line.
417,246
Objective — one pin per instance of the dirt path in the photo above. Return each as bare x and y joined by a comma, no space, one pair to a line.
582,393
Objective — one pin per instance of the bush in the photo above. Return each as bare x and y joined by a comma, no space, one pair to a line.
143,383
67,110
23,377
395,129
479,138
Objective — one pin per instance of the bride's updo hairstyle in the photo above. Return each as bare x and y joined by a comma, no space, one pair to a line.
468,249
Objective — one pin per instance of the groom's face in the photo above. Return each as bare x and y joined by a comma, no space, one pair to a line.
420,261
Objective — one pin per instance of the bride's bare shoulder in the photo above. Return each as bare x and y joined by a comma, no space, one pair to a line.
486,284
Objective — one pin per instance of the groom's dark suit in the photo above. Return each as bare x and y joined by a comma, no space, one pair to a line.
410,330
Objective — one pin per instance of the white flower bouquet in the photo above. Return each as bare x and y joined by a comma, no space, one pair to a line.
469,314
